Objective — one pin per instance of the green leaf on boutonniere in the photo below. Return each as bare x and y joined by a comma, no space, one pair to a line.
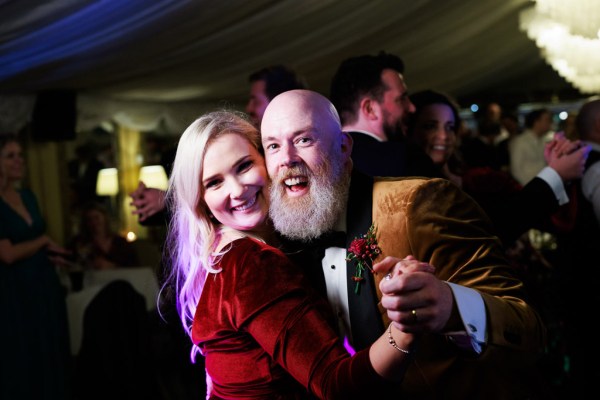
363,250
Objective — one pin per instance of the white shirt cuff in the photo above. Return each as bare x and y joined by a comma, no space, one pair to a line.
551,177
472,312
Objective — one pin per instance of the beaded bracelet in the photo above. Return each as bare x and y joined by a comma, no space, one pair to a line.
393,342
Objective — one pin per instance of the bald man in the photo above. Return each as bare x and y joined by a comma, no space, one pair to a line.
479,338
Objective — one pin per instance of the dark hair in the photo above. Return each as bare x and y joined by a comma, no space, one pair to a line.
586,118
278,79
427,97
534,115
357,77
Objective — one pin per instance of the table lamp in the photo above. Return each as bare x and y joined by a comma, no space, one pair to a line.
107,183
154,176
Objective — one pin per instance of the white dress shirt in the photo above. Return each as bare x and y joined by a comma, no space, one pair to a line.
469,302
551,177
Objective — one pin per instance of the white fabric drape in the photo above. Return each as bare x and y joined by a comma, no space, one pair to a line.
168,51
141,116
92,111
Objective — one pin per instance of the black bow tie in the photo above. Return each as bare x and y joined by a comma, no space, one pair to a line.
309,255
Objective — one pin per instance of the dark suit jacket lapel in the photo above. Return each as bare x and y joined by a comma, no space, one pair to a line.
364,314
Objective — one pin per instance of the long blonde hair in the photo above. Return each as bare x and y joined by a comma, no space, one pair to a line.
193,234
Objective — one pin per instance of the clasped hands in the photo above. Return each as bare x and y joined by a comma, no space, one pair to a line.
147,201
415,299
566,157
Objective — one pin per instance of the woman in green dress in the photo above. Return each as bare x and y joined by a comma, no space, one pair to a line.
34,339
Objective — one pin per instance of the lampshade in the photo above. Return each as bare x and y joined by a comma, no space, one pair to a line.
154,176
108,182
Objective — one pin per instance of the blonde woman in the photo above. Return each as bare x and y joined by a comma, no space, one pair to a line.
264,332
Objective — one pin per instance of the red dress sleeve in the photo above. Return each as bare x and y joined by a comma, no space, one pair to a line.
258,323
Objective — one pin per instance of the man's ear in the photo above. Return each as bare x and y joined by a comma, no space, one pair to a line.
369,108
346,144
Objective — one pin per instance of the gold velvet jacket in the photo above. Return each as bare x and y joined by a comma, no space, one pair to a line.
436,222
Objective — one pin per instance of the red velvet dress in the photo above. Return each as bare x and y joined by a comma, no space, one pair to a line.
265,333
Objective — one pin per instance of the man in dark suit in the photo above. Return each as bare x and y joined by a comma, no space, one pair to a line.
371,97
578,263
479,338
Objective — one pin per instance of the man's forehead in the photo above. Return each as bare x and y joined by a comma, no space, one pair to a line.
285,129
287,116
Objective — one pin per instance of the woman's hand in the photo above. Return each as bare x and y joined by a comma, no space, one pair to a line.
416,300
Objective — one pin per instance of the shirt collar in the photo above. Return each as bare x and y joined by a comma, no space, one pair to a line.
369,134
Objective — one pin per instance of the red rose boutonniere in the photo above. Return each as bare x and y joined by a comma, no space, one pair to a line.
363,250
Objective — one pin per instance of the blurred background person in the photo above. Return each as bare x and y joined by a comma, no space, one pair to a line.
434,127
578,262
267,83
588,126
569,127
96,245
513,209
493,112
484,148
527,149
370,95
510,122
34,339
83,174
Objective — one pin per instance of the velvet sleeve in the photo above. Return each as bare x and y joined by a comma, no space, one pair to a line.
271,301
435,221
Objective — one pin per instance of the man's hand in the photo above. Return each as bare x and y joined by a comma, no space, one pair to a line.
566,157
147,201
415,299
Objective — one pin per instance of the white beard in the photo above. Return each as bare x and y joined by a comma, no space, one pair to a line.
307,217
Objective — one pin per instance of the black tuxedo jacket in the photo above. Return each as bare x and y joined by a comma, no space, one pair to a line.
513,212
398,157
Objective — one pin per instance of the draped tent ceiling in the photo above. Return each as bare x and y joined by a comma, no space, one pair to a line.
141,61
